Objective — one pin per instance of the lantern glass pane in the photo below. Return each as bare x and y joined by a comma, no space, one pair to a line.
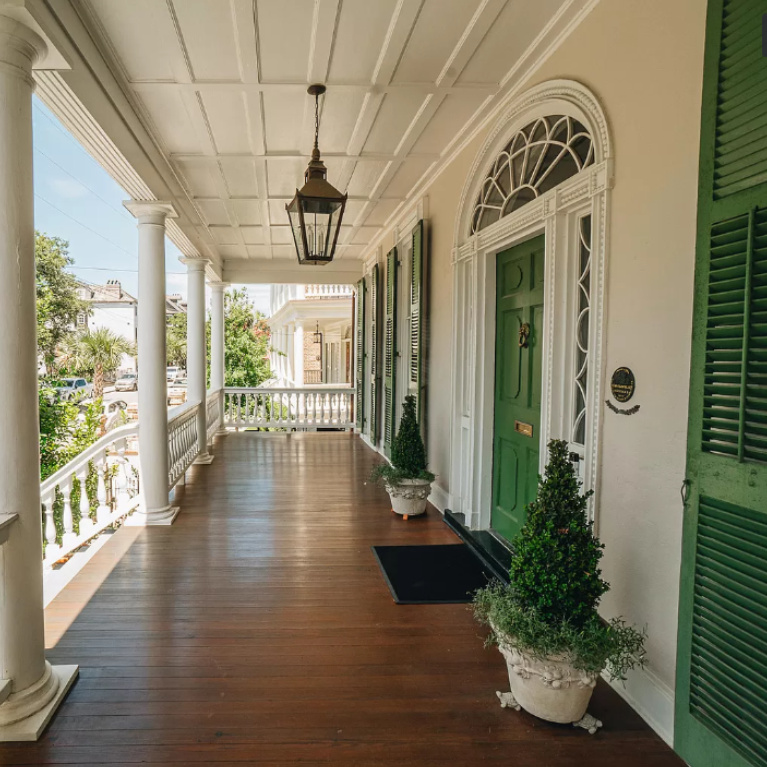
295,225
318,229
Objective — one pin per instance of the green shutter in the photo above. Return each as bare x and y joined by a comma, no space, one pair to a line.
390,349
721,691
359,381
373,366
416,319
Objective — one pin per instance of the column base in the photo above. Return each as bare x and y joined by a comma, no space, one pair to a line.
31,727
222,432
204,458
141,518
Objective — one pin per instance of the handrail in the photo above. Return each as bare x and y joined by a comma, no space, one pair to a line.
105,477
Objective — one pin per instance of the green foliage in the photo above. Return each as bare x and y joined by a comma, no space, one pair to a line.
97,353
175,340
593,646
550,608
246,342
63,435
408,454
58,304
555,567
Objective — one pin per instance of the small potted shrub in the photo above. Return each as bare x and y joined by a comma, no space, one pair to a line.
406,479
545,622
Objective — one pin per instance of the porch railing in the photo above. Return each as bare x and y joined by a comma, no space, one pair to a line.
302,409
101,485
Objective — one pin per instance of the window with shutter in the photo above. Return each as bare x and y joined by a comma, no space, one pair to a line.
721,687
390,349
416,319
359,380
373,365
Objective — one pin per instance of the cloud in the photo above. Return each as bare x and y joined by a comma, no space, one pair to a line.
175,283
67,188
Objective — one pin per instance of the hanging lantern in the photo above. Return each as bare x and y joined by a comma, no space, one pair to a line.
317,334
317,209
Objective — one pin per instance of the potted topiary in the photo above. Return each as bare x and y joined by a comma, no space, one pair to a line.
545,622
406,479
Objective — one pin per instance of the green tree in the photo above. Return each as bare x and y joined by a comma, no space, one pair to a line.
555,566
175,339
98,352
58,304
246,342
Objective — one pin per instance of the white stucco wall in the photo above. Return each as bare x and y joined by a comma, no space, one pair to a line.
121,320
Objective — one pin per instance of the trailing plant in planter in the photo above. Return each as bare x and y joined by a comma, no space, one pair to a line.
545,622
406,478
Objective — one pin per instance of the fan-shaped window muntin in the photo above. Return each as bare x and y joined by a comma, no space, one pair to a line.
539,156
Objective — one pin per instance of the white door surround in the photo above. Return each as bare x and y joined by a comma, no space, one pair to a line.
559,214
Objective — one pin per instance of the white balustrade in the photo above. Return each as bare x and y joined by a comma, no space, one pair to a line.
116,493
289,408
111,464
327,291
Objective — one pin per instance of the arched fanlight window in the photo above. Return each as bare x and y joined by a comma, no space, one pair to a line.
541,155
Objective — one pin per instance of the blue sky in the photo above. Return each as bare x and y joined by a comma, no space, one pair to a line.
77,200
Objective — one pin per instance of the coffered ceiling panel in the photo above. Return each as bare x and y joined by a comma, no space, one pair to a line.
220,86
208,36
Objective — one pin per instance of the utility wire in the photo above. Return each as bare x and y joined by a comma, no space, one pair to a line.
123,213
110,269
85,226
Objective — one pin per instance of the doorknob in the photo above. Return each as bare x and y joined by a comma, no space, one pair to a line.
524,335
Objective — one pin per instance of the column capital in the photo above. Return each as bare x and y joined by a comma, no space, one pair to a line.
218,285
194,264
21,47
151,211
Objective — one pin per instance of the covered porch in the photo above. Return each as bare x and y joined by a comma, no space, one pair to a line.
258,629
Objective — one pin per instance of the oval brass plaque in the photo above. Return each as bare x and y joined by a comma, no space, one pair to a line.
622,384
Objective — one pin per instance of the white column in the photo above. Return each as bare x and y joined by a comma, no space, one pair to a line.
30,689
291,330
152,364
196,358
217,347
298,354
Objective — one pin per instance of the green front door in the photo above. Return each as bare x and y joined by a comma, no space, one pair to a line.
721,694
519,322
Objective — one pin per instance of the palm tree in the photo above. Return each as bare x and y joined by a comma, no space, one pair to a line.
99,352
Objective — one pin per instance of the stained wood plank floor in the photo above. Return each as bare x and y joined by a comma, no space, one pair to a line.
258,630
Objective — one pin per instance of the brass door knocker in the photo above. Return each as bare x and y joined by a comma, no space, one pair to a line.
524,335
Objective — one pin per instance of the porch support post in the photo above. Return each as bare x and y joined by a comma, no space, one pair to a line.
196,357
298,354
30,688
217,353
291,342
152,364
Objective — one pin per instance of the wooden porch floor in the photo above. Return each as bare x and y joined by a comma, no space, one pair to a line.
258,630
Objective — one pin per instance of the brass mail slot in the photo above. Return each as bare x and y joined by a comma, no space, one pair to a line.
523,428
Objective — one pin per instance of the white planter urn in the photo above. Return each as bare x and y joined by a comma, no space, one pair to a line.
408,496
549,688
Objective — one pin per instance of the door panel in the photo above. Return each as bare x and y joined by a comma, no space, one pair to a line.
518,365
721,690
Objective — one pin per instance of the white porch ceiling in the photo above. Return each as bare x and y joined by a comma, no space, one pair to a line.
220,85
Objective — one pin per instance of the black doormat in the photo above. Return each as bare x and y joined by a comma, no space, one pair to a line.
422,575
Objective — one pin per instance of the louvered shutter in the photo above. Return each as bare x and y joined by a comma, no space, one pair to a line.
721,686
359,380
373,365
416,319
390,349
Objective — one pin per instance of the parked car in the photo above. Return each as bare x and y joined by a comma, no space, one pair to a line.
127,382
174,372
177,392
73,389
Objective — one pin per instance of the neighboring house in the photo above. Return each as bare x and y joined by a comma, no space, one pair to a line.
175,304
112,308
311,327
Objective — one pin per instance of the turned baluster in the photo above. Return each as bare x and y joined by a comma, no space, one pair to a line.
85,503
66,515
102,469
122,474
50,525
